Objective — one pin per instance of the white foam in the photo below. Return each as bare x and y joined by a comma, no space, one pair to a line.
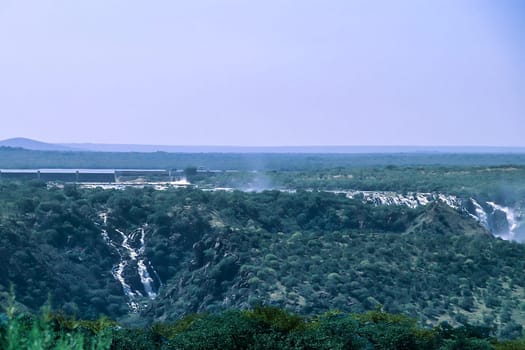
128,254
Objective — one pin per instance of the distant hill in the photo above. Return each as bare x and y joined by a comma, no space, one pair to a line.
30,144
21,142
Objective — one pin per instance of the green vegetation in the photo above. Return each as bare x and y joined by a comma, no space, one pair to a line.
502,184
25,331
222,254
258,328
497,177
308,252
49,245
21,158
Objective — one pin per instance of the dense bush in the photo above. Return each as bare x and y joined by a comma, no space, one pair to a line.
259,328
306,251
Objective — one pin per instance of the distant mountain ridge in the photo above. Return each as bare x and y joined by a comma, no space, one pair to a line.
21,142
140,148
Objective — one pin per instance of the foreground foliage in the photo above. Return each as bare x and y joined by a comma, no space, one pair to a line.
259,328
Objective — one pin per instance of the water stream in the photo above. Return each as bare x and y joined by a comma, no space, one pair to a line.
512,221
479,214
486,213
133,272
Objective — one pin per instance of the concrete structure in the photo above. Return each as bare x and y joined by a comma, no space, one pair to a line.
59,175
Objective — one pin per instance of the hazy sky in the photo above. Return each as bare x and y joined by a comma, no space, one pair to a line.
269,72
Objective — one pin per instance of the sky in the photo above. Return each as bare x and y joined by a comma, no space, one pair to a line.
264,72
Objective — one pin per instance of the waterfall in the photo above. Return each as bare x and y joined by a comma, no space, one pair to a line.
133,269
511,220
480,214
145,278
486,218
411,199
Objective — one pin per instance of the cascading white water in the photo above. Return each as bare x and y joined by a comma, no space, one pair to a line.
416,199
137,255
146,279
117,272
451,201
131,257
480,214
411,199
511,220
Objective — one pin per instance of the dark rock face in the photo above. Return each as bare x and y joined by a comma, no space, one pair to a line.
198,252
498,222
442,219
470,207
226,269
131,276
